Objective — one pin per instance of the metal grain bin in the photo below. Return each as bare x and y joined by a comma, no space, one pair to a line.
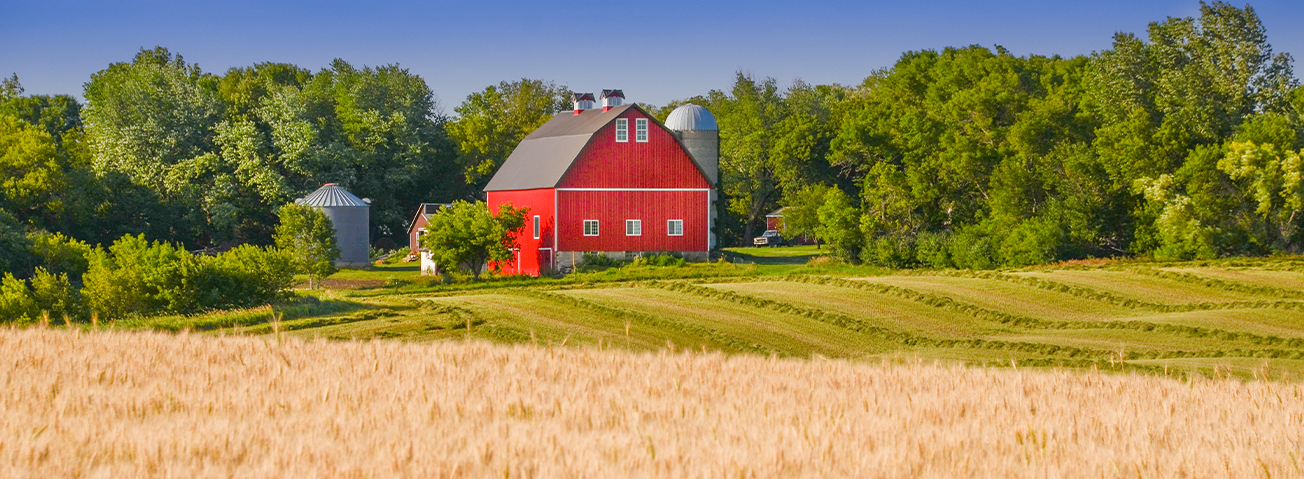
352,219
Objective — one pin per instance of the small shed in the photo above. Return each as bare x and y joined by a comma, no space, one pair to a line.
351,217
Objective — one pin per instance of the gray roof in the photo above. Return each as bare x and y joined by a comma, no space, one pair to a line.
691,117
543,156
331,195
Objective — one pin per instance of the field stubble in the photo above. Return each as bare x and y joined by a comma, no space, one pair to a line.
123,404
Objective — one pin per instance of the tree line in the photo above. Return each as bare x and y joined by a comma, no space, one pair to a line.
1181,143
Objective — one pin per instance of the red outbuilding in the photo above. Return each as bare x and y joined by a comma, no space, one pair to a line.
613,181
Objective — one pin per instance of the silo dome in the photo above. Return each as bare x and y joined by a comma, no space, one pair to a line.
351,218
691,117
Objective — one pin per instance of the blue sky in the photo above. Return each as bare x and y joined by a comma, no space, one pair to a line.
656,51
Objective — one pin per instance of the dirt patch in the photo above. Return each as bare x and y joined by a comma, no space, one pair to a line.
333,283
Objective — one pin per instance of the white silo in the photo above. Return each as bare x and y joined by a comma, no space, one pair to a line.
351,217
696,129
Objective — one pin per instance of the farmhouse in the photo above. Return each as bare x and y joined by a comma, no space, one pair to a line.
613,181
417,229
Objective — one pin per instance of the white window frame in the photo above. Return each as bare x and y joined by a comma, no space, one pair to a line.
670,227
538,227
622,130
640,130
633,227
595,227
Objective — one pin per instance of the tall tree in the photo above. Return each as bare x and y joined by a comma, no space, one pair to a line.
309,237
490,123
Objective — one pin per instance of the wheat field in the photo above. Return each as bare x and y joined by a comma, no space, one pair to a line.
132,404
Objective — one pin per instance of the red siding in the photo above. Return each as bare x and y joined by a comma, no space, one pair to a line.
414,245
612,208
658,163
532,260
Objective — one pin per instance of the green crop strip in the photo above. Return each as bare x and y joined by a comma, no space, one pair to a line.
1114,299
946,303
652,321
1220,283
853,324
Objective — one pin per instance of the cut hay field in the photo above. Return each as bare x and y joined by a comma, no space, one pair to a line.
148,404
1244,318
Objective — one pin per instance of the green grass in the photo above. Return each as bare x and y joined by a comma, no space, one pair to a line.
1226,317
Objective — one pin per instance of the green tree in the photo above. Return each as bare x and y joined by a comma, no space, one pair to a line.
840,225
801,210
467,235
31,176
490,123
309,237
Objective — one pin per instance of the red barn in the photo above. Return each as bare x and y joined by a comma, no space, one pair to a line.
613,181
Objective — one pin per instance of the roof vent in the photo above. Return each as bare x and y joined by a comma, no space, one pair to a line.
583,101
612,98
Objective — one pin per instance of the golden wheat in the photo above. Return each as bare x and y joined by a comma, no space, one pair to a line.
115,404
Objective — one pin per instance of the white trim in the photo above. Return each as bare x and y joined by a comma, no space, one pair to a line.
556,214
636,189
538,227
622,126
640,126
597,227
638,223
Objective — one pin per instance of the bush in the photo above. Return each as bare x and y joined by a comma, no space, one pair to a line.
135,277
972,248
596,262
893,251
55,295
245,276
16,302
662,260
61,254
1034,241
934,250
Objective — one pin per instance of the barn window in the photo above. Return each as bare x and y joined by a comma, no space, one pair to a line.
633,227
622,130
675,227
536,227
590,227
640,130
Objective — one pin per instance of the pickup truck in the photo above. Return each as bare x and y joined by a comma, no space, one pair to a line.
768,238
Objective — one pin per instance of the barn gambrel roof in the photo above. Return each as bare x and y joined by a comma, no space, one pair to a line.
544,156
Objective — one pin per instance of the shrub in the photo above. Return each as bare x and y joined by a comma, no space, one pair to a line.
972,248
661,260
934,250
596,262
61,254
134,276
894,251
54,294
16,302
245,276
